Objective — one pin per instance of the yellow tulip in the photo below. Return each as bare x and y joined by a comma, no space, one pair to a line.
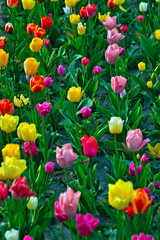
155,151
8,123
118,2
142,66
120,194
74,19
3,58
27,132
12,168
36,44
115,125
102,18
157,34
138,156
28,4
70,3
81,30
74,94
31,66
149,84
11,150
20,102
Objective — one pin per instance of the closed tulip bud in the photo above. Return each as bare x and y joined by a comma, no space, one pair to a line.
40,33
74,19
34,150
86,112
37,83
115,125
2,42
157,34
11,150
3,191
132,170
70,3
12,3
111,4
49,167
31,66
32,203
143,7
140,18
118,84
36,44
67,10
8,123
138,156
46,22
83,12
144,159
27,132
28,4
3,58
44,108
124,29
48,81
28,238
118,2
156,184
9,28
91,10
12,234
46,42
97,70
142,66
90,146
31,27
60,69
149,84
85,61
74,94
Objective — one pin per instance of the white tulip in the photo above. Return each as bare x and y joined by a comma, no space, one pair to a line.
115,125
67,10
143,7
12,234
32,203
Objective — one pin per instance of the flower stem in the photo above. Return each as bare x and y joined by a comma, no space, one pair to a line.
70,229
61,227
45,152
66,175
91,185
32,175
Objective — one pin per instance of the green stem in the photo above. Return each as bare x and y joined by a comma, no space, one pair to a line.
45,152
91,186
66,175
32,174
116,145
70,229
35,110
61,227
110,70
118,105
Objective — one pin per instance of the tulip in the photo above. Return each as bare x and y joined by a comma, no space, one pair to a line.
65,155
60,217
2,43
74,94
157,34
129,210
112,53
141,236
31,66
67,10
114,36
3,58
31,27
140,17
48,81
40,33
61,69
155,151
37,84
110,23
20,190
27,237
102,18
148,191
156,184
12,168
20,102
142,66
74,19
118,2
85,61
46,22
123,93
34,149
3,191
143,7
140,201
70,3
81,29
27,132
86,224
32,203
8,123
135,140
124,29
46,42
90,146
49,167
86,112
91,10
118,84
9,28
36,44
12,234
97,70
132,170
44,108
69,202
40,1
111,4
28,4
120,194
83,12
115,125
144,159
6,107
12,3
149,84
11,150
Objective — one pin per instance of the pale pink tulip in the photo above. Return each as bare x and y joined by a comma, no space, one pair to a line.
114,36
112,53
110,23
135,140
118,84
65,155
69,202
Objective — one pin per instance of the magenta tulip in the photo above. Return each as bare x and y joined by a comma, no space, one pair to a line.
3,191
60,217
44,108
141,236
97,70
49,167
135,140
60,69
48,81
144,159
132,170
86,112
118,84
65,155
26,147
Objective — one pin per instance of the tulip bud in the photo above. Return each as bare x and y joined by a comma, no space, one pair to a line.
142,66
85,61
9,28
115,125
48,81
149,84
67,10
32,203
46,42
28,238
143,7
144,159
138,156
86,112
157,34
156,184
140,18
124,29
61,69
49,167
3,191
97,70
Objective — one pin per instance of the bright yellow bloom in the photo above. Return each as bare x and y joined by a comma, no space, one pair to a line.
158,1
138,156
155,151
8,123
157,34
118,2
70,3
102,18
142,66
81,30
120,194
11,150
3,58
74,94
149,84
20,102
12,168
31,66
115,125
27,132
28,4
36,44
74,19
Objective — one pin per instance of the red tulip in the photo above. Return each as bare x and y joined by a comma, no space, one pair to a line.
83,12
85,61
129,209
46,22
124,29
3,191
39,32
6,107
91,10
31,27
90,146
9,28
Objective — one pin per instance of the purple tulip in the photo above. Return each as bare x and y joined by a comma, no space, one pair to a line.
86,112
48,81
97,70
132,170
46,42
148,191
156,184
144,159
44,108
60,69
49,167
26,148
141,236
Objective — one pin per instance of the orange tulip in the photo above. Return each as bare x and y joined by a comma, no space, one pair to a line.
140,201
37,84
31,27
40,33
12,3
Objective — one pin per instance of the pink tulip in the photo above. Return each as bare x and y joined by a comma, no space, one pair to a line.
69,202
91,10
86,224
28,238
135,140
86,112
60,69
140,17
49,167
112,53
65,155
26,147
118,84
3,191
132,170
144,159
44,108
97,70
46,42
156,184
114,36
110,23
60,217
141,236
48,81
